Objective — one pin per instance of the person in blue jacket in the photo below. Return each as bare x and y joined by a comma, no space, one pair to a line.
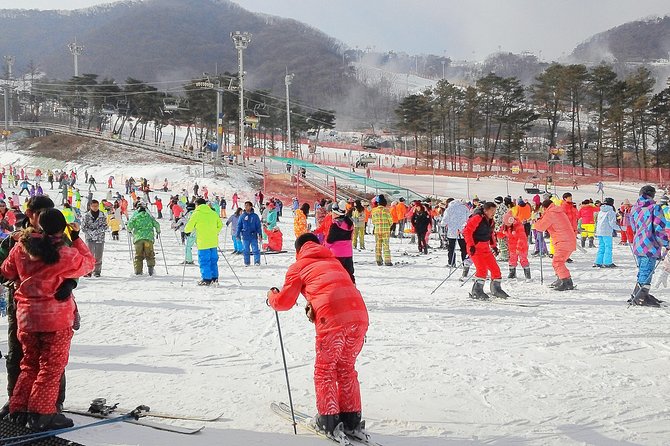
249,231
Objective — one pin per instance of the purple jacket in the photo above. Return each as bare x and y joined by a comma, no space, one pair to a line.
648,224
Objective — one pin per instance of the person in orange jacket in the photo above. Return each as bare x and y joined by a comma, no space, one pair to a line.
401,212
340,318
570,210
556,221
481,242
275,239
394,218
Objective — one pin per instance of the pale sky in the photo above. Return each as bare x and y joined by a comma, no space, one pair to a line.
460,29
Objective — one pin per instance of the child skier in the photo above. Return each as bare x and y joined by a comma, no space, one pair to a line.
39,263
515,234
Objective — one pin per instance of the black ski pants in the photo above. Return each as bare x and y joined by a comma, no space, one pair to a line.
451,248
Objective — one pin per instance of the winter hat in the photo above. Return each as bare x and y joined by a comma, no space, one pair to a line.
381,200
508,219
610,201
498,200
342,204
190,206
336,209
52,221
648,191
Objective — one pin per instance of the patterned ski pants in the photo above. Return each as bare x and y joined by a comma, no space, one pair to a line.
382,245
335,378
45,356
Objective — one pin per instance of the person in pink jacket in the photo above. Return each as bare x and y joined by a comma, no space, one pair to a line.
339,237
556,221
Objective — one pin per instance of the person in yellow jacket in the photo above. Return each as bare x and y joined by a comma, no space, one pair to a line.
381,219
207,224
114,225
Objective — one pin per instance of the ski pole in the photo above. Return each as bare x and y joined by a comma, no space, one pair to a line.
225,237
160,242
542,246
447,278
288,385
183,273
130,248
469,277
28,438
230,266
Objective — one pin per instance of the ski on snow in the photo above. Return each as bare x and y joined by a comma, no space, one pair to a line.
304,420
99,405
139,422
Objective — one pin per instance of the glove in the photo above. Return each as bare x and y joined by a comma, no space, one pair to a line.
74,235
471,250
495,250
65,289
309,311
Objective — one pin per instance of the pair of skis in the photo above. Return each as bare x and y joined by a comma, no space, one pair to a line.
99,409
305,421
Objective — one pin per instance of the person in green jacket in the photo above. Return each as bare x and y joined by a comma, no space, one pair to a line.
207,224
142,225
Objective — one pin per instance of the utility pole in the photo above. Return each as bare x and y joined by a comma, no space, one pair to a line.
287,80
76,51
9,60
241,41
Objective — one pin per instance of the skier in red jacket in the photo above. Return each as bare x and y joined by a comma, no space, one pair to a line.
340,317
38,265
481,242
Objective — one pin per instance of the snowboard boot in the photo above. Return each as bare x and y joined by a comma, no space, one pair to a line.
327,423
583,242
512,273
566,284
497,290
526,272
464,276
591,244
555,283
151,270
478,290
47,422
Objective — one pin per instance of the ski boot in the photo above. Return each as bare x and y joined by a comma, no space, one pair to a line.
47,422
642,297
555,283
591,244
354,427
151,270
18,418
464,276
566,284
331,426
478,290
497,290
526,272
583,242
512,273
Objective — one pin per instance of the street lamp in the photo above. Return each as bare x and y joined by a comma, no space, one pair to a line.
287,80
76,51
241,41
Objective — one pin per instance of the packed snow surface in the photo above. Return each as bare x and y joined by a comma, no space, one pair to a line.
580,368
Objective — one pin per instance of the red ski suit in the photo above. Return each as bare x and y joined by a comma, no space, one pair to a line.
562,235
517,243
44,323
478,232
341,321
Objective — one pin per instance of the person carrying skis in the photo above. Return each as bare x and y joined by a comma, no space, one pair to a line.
142,226
207,225
514,232
605,226
480,240
381,219
650,237
555,220
39,264
340,318
249,231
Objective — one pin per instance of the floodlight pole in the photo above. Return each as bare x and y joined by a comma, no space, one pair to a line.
76,51
287,80
241,41
9,60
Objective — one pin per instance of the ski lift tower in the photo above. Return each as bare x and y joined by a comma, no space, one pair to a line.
9,60
76,51
241,41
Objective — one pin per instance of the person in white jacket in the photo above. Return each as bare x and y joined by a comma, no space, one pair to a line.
454,219
605,226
